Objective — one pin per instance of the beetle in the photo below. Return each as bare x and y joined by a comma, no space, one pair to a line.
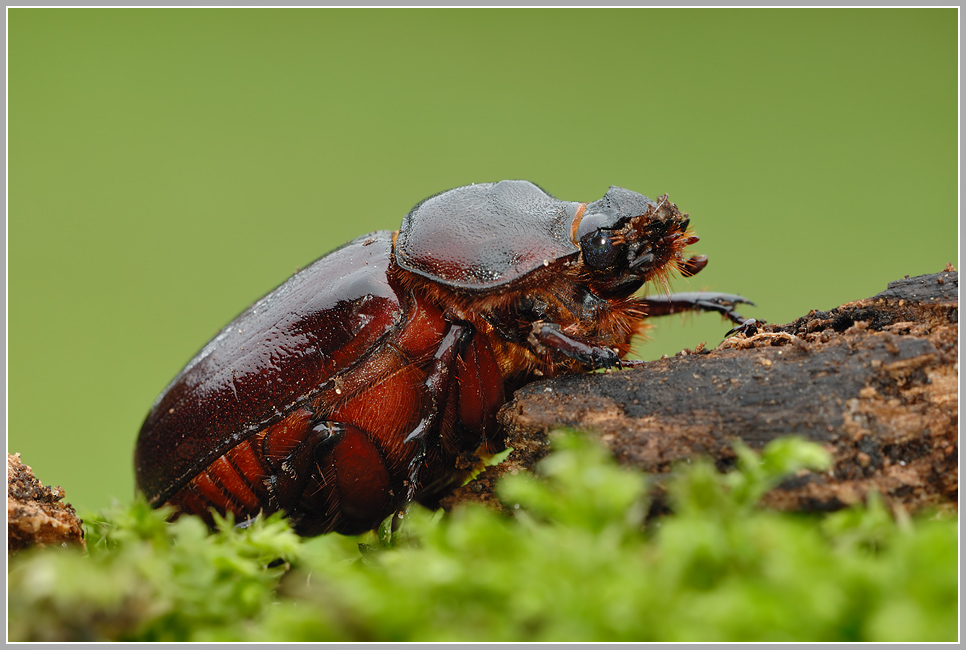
372,378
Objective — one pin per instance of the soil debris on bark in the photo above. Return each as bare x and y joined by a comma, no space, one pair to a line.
37,515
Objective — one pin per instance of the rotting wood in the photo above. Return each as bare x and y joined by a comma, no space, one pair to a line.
874,381
37,515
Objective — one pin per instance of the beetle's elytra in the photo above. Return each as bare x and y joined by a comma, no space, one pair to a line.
373,376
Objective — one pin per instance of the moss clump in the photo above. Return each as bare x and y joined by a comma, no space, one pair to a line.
574,563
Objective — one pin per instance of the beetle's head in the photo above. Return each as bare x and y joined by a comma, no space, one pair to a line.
626,239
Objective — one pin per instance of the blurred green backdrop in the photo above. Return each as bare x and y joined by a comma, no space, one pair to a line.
167,167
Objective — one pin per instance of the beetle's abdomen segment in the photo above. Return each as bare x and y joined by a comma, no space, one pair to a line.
227,485
258,474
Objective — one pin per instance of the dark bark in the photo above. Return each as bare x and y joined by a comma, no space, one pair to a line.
874,381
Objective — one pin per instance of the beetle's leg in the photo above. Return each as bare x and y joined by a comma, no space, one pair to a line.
747,327
723,303
549,335
632,363
292,464
327,475
437,387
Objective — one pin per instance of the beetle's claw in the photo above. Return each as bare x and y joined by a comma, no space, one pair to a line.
245,523
748,327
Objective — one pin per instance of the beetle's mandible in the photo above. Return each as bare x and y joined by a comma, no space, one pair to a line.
372,378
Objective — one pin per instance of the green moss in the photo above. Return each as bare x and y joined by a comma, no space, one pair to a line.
574,563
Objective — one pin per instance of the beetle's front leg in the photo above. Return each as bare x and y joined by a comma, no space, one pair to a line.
723,303
437,388
550,335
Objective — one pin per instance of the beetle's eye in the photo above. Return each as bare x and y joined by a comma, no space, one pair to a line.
599,249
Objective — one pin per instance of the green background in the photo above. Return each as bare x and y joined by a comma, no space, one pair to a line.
168,167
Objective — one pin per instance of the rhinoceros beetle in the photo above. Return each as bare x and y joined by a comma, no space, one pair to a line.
372,378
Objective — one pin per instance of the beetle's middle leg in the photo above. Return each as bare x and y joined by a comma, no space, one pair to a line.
551,336
437,384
